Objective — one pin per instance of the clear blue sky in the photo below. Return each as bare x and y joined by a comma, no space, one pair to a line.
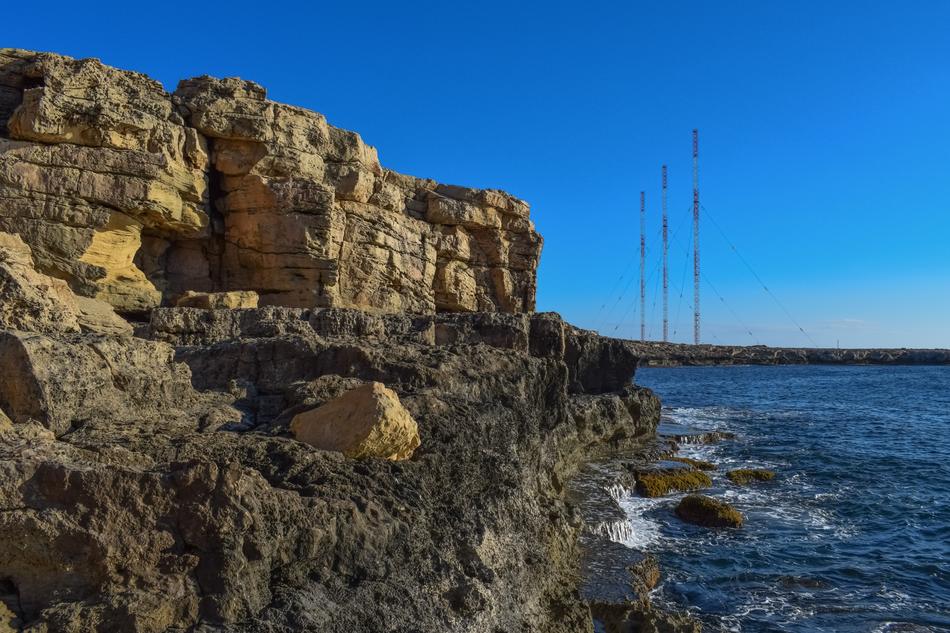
824,131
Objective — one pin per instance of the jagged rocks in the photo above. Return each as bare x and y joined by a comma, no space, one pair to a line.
95,163
368,421
190,509
107,177
299,192
152,483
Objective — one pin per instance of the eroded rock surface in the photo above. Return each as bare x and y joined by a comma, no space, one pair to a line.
135,196
32,301
195,509
152,483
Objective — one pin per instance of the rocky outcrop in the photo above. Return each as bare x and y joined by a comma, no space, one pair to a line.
659,480
135,196
94,161
743,476
368,421
708,512
277,276
238,526
66,382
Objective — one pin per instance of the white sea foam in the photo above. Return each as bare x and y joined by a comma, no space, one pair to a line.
644,531
618,491
618,531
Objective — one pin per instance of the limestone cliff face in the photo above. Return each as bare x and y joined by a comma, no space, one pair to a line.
153,477
135,196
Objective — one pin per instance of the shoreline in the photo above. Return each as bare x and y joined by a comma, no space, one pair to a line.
837,479
658,354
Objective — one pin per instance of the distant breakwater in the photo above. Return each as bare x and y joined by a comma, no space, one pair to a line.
654,353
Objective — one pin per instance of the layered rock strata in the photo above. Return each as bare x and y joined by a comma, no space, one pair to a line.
151,478
135,196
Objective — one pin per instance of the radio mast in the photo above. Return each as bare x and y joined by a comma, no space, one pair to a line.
696,237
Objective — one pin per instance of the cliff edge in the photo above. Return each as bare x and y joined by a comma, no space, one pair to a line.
190,285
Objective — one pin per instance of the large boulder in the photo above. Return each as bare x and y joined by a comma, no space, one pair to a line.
368,421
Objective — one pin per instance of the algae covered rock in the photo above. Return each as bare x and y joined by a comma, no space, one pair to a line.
743,476
661,481
708,512
368,421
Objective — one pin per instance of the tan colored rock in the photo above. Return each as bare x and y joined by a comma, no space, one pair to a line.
368,421
303,195
98,316
29,300
218,300
33,302
96,158
57,382
105,176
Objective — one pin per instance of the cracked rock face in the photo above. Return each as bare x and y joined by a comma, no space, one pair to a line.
158,488
152,478
136,196
32,301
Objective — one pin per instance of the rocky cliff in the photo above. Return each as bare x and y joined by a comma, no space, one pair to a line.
135,196
154,477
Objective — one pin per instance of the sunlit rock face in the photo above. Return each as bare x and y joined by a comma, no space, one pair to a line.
136,196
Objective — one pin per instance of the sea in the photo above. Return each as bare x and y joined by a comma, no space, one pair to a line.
854,532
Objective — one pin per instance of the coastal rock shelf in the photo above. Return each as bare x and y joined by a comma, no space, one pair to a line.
181,277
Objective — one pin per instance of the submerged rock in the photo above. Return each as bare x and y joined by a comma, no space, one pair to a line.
708,512
661,481
743,476
368,421
699,464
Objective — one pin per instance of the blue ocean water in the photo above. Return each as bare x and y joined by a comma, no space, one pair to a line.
853,535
